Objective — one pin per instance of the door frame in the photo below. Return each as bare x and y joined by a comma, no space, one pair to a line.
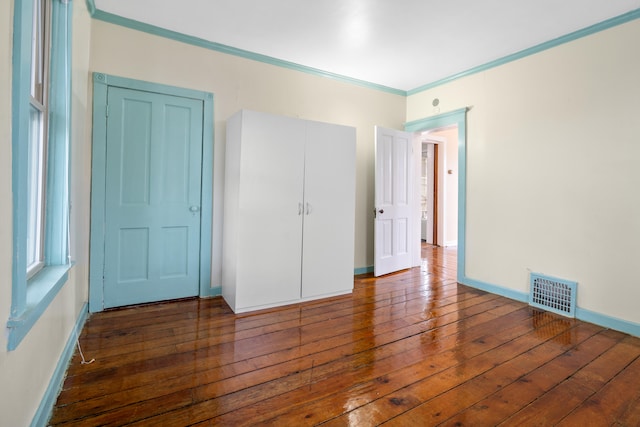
101,84
459,118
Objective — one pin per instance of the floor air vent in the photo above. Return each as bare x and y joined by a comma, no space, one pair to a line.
556,295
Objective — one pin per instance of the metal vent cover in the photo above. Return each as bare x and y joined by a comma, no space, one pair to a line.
552,294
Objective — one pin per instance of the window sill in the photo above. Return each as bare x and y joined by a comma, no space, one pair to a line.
41,290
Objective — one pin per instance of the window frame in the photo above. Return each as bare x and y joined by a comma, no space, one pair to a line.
32,295
39,102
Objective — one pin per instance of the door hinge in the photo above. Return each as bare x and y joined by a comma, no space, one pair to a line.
106,111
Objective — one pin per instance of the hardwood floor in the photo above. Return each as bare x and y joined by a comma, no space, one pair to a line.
409,349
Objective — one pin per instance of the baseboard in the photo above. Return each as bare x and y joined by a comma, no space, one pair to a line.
211,292
599,319
363,270
625,326
55,384
495,289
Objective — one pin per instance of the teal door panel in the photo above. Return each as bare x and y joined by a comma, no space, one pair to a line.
153,193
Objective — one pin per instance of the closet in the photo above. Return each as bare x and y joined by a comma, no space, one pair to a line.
289,210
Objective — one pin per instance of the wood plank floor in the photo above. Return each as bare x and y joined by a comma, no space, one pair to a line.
409,349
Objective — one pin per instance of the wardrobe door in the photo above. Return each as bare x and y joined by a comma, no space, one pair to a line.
269,223
329,196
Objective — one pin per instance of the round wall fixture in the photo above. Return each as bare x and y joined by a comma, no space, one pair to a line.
435,102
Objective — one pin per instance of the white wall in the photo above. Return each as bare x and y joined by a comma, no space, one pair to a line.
25,372
240,83
553,142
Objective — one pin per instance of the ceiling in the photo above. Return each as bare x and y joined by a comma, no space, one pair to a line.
401,44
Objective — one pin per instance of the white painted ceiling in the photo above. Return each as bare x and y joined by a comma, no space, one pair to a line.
402,44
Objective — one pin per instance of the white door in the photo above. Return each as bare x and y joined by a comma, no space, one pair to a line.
270,210
329,206
393,200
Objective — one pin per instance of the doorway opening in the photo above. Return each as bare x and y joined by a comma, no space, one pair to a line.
429,192
450,212
456,149
438,186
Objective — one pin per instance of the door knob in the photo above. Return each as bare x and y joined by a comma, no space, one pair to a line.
194,209
381,211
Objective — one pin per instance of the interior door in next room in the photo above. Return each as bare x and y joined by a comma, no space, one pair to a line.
153,193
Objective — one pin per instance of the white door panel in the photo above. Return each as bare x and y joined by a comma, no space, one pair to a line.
271,179
394,201
329,200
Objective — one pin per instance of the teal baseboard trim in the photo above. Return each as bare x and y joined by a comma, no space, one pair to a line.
55,384
211,292
599,319
495,289
609,23
363,270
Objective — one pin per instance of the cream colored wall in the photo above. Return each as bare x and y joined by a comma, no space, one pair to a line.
25,372
240,83
552,177
6,30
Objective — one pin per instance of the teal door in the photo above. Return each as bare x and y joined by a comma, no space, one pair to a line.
152,197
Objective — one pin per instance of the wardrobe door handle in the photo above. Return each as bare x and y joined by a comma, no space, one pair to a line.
308,209
299,208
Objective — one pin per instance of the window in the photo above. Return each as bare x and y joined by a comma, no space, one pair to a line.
40,123
37,140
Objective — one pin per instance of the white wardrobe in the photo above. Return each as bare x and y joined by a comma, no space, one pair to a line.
289,210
